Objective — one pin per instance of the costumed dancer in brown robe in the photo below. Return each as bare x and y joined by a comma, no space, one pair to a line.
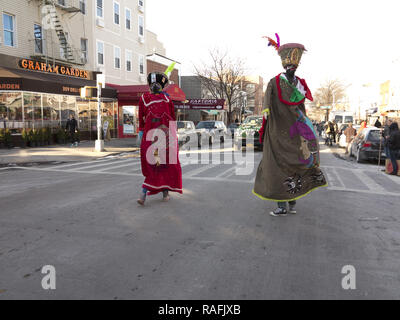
289,169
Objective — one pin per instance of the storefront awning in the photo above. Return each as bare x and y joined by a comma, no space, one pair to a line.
132,93
129,93
23,80
175,92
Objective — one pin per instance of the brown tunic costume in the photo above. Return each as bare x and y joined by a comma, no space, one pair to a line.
289,168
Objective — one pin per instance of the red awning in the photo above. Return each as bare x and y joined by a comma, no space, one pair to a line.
134,92
175,92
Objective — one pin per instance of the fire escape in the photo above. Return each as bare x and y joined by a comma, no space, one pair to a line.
69,6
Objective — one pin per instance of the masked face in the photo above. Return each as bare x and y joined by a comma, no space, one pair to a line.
155,87
290,70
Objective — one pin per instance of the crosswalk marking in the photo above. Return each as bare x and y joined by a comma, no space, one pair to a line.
104,164
197,171
337,176
80,163
121,166
371,184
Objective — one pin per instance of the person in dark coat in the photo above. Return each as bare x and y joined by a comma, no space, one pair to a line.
72,128
386,135
393,144
378,124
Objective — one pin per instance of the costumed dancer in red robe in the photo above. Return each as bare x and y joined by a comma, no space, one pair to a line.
159,146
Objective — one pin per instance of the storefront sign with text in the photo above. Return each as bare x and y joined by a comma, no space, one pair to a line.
49,68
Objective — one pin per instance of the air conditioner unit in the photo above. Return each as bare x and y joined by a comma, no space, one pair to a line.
100,22
141,39
141,8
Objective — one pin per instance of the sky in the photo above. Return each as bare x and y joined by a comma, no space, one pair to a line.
351,40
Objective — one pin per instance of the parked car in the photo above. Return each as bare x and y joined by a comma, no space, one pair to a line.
189,135
215,129
367,145
248,133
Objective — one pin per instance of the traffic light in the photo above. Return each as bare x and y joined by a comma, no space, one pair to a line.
88,92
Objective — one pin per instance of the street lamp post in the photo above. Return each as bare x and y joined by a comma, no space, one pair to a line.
99,145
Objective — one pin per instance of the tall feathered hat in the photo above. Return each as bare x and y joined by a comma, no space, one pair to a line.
290,53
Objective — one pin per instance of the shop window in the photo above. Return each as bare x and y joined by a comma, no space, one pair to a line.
33,110
11,111
93,118
9,29
68,107
130,120
51,111
83,115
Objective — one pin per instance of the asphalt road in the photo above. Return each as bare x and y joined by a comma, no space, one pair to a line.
216,241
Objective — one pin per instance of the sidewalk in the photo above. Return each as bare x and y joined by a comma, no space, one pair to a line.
63,153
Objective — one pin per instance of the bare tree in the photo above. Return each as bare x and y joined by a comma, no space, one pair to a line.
332,91
223,77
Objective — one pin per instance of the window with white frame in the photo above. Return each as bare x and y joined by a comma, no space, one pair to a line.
84,50
128,55
99,9
141,26
128,18
117,58
116,12
38,34
141,3
141,64
82,6
9,29
100,52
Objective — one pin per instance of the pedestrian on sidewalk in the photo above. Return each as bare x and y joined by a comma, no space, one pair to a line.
289,168
159,152
329,133
393,144
386,135
335,132
349,133
72,128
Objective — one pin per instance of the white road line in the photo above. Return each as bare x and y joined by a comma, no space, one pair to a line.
395,179
105,164
385,193
80,163
330,177
198,171
338,177
122,166
369,182
226,173
80,172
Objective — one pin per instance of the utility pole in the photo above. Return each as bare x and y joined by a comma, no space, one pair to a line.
99,146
